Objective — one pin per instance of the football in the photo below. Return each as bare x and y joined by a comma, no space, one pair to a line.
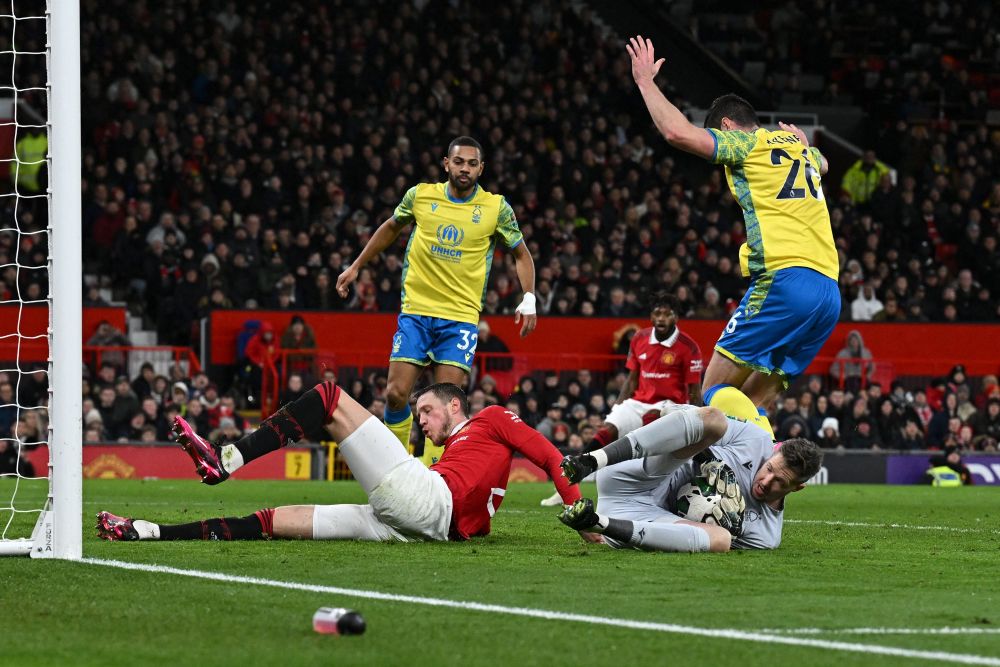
697,500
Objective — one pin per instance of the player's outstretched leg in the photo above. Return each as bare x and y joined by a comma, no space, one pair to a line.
683,434
649,536
257,526
291,423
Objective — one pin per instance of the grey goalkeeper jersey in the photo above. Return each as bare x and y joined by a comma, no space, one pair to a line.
745,447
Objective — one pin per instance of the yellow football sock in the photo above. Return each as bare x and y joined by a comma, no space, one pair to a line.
734,403
432,453
401,430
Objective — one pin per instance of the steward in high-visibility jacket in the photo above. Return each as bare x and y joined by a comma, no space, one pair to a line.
30,153
943,476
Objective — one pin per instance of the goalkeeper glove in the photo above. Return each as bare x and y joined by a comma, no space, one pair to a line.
722,478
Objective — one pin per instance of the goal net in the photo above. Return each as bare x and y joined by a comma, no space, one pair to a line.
40,279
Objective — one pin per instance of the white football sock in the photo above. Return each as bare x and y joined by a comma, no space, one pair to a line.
232,458
146,529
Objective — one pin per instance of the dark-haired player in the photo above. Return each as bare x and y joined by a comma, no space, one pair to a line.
664,365
793,301
638,478
453,500
445,272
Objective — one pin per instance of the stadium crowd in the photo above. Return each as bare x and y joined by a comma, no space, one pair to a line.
242,159
920,62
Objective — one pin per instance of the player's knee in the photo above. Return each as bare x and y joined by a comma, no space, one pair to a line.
396,395
714,421
719,539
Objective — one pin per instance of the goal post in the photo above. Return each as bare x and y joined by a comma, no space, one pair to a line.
65,269
58,529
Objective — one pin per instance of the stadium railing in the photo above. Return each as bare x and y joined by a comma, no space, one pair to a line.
129,359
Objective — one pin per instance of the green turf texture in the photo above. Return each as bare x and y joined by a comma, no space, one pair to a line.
828,576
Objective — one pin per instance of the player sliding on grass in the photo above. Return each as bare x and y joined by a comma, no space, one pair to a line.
638,477
455,499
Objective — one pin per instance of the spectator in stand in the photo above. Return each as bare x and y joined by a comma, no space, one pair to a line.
212,404
965,409
985,423
891,311
490,344
863,435
294,389
298,336
912,438
142,385
261,352
888,423
107,335
866,305
553,418
938,428
179,396
853,366
829,434
863,177
126,403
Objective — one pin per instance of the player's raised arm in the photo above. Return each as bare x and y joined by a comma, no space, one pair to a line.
526,274
672,124
384,236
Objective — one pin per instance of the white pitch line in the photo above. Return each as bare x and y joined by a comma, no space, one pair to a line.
882,631
904,526
739,635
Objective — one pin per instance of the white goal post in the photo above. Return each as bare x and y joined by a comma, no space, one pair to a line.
58,530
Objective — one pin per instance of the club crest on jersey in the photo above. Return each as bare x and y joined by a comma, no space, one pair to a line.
448,237
434,206
668,358
477,213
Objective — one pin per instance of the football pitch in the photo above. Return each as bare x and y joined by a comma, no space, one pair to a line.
866,575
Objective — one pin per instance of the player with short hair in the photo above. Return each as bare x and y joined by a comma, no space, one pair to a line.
445,272
453,500
638,478
664,366
793,301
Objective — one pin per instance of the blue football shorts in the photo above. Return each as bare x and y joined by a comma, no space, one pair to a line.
782,321
424,340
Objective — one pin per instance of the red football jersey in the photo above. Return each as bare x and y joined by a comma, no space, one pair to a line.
666,368
476,464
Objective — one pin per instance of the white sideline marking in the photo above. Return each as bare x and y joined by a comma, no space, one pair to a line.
883,631
905,526
741,635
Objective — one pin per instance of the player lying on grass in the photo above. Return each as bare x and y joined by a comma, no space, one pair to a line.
638,478
455,499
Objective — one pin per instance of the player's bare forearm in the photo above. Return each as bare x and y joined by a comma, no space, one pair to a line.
384,236
628,389
525,314
525,267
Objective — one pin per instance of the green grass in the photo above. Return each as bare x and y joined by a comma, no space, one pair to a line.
827,576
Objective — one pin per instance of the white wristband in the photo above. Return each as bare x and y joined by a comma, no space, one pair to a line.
527,306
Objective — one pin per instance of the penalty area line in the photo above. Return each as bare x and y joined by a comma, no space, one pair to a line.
903,526
738,635
882,631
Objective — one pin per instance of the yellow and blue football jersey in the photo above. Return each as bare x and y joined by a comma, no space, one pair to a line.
450,251
776,181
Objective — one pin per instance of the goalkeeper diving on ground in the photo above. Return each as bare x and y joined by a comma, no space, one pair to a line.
691,463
